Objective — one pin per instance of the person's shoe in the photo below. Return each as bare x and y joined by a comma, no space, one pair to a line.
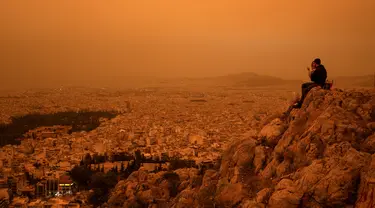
297,105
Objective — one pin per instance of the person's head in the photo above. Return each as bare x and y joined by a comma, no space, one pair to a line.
315,63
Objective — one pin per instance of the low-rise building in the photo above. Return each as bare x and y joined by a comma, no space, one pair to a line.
65,185
40,189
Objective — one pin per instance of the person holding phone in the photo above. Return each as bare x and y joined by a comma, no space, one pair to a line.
318,76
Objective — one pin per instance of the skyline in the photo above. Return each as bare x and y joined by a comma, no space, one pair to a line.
66,41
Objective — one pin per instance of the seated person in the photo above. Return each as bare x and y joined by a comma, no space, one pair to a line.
318,76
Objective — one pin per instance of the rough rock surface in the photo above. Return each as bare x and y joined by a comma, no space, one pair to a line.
321,156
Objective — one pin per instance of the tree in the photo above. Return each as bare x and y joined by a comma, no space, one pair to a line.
81,175
100,159
105,156
87,160
97,197
122,169
101,184
98,181
95,158
138,156
111,179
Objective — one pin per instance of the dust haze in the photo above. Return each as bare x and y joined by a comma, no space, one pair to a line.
53,43
187,103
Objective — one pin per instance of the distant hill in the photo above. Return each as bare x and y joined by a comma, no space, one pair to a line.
246,79
250,79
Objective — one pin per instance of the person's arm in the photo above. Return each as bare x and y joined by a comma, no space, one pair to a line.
314,75
309,72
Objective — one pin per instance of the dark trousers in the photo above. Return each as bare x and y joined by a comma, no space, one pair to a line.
306,87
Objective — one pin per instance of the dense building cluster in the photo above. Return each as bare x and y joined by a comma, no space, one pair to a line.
161,124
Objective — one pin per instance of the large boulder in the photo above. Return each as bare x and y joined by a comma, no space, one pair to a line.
230,195
238,157
286,195
332,181
272,132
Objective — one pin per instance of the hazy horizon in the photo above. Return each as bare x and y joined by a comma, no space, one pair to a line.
47,43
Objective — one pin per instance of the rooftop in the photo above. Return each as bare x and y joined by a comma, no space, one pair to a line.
65,179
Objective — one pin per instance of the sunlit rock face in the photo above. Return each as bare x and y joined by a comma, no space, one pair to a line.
321,156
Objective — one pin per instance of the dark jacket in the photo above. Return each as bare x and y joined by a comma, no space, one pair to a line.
319,75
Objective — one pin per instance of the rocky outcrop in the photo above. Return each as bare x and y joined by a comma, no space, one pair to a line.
322,155
366,191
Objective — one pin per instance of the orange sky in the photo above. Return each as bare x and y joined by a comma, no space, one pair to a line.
70,40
